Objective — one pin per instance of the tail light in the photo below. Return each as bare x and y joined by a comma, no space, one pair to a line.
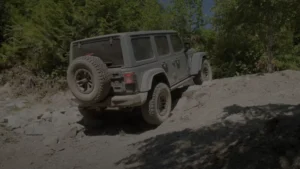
89,54
129,78
130,82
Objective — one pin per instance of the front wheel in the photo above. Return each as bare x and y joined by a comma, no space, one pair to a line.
205,74
158,107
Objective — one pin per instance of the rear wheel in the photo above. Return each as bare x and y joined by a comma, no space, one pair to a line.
158,106
88,79
205,74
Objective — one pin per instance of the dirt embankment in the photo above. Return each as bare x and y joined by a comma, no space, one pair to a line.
19,81
242,122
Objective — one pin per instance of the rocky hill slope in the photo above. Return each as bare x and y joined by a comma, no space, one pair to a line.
242,122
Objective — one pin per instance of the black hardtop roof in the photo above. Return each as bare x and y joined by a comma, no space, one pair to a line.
129,34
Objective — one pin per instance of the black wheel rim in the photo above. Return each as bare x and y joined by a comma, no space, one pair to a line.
84,81
162,103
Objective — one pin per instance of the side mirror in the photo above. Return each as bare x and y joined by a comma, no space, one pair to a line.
187,46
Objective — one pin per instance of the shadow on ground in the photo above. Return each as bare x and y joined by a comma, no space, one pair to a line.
123,122
267,138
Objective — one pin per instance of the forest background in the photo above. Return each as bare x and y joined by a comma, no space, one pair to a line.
241,36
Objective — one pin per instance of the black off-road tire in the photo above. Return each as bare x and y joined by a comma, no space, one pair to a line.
100,78
150,110
205,74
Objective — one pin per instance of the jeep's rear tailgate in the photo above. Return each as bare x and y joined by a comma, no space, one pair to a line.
108,49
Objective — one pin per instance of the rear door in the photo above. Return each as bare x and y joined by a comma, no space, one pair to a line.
165,57
180,58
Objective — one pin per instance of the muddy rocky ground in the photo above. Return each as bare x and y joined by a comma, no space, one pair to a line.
226,123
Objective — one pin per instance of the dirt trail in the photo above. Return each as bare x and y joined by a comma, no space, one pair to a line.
221,124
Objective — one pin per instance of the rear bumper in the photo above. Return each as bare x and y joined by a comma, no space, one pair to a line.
120,101
129,100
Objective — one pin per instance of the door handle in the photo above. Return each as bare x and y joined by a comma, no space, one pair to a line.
174,62
177,63
165,66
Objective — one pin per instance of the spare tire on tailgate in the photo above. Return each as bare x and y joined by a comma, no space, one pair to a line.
88,79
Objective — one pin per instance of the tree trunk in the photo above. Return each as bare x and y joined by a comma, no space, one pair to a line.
270,59
270,51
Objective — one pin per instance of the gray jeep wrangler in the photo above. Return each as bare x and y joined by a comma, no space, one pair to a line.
133,69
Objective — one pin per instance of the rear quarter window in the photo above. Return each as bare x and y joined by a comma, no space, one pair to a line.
142,48
176,43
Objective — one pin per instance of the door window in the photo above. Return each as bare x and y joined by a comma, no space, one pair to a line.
162,45
142,48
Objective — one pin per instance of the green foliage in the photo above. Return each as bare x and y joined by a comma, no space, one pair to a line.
186,16
2,19
247,37
39,33
254,36
287,61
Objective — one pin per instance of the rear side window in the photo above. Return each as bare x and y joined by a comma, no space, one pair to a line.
162,45
142,48
176,43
